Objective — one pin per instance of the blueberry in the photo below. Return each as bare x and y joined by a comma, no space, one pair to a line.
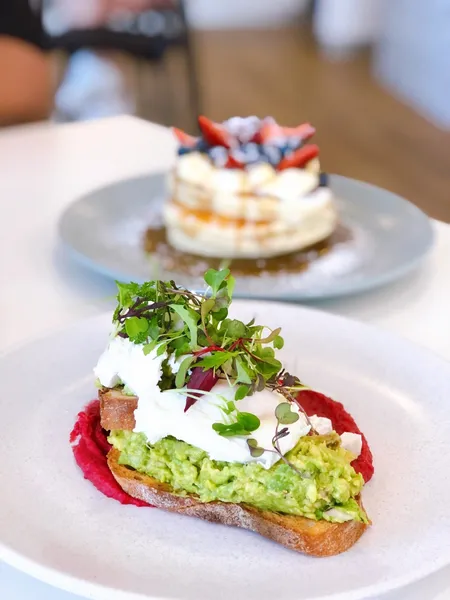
323,180
293,143
219,155
272,153
248,153
291,146
285,150
184,150
202,146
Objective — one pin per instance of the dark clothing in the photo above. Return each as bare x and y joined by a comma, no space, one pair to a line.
19,20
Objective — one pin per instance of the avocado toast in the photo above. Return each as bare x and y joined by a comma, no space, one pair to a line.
204,420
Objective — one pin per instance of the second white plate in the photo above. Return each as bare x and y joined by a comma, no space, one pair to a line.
385,238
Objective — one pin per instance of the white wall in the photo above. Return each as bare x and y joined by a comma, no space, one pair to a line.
343,24
221,14
412,56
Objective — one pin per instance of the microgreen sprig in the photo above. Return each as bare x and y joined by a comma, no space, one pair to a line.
284,416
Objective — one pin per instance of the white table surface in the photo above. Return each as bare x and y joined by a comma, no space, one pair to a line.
44,167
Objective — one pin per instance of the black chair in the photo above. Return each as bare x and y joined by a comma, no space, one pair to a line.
146,36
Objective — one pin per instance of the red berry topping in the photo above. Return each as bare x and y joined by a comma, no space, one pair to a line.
240,142
232,163
184,138
257,138
214,133
272,132
304,131
299,158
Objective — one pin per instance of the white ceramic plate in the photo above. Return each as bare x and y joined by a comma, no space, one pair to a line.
57,527
387,238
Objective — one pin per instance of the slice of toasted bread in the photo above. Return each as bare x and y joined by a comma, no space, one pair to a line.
316,538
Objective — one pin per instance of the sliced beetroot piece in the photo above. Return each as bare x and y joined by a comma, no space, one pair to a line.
200,380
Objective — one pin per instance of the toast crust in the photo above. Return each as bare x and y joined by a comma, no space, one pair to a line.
117,410
315,538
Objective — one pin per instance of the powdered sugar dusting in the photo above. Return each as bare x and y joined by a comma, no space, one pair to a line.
344,259
129,232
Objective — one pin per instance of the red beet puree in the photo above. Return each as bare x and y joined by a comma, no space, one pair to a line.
90,445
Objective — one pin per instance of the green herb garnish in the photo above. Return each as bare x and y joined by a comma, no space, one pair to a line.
198,332
245,424
160,315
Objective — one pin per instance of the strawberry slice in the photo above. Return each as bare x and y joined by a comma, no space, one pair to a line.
257,138
232,163
269,132
299,158
304,131
273,131
214,133
189,141
263,127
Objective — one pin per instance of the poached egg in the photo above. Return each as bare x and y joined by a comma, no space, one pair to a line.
161,413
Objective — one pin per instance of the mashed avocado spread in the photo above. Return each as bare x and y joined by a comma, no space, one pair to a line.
329,481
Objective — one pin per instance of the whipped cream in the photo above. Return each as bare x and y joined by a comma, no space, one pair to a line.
160,414
197,183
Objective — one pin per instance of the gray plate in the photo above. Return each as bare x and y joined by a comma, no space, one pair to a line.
389,237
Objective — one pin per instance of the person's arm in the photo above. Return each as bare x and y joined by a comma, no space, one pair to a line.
26,78
26,82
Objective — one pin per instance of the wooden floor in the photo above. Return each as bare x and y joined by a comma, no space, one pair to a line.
362,130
